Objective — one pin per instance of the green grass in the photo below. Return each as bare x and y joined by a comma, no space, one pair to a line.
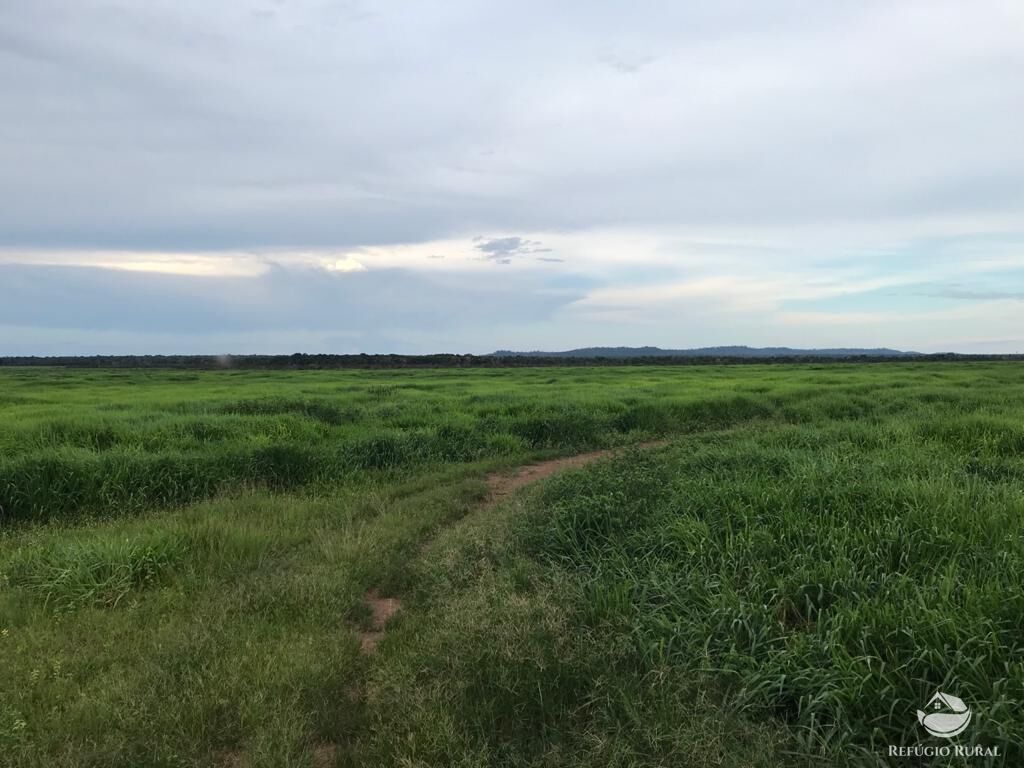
815,551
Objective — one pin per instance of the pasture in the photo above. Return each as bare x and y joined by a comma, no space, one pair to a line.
806,555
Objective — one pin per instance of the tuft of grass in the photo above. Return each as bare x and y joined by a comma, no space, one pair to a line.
98,571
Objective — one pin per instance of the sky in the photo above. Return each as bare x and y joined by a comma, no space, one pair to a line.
279,176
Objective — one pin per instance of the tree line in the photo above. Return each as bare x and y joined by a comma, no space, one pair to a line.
300,361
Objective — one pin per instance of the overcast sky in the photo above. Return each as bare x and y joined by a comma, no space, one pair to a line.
186,176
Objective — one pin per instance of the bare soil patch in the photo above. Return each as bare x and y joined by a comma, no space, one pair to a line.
382,609
502,484
325,756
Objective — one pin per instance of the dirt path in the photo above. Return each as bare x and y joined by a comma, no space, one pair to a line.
500,486
382,608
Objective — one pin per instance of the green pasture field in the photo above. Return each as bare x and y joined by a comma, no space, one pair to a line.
811,553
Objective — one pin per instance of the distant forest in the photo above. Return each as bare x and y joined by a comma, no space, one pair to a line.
729,351
315,362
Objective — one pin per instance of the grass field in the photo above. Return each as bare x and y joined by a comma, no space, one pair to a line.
809,556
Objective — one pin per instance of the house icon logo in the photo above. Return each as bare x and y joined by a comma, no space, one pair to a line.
947,716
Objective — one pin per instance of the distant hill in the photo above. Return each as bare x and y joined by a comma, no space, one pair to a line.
736,351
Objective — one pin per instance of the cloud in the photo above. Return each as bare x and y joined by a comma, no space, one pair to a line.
731,157
626,64
174,125
502,250
962,293
346,264
279,300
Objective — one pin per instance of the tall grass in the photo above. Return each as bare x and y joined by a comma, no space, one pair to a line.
169,446
820,572
101,571
816,551
830,585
